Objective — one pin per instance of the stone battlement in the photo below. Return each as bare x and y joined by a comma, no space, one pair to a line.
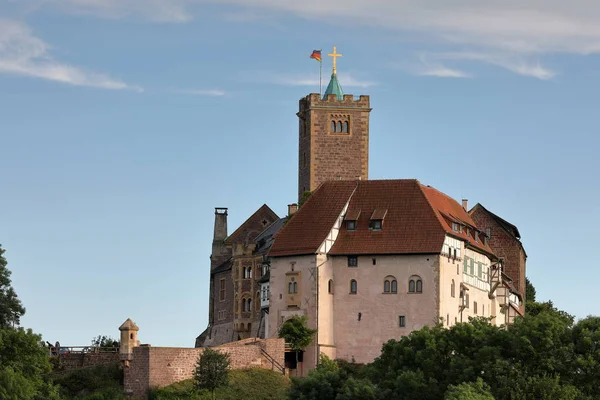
314,100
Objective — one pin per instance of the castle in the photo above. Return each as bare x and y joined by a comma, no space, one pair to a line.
365,261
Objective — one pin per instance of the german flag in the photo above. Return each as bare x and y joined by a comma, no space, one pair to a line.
316,54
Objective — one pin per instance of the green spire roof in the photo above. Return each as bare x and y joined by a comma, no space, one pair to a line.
334,87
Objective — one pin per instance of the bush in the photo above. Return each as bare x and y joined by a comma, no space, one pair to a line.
95,383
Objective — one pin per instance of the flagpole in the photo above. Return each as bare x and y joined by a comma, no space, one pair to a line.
320,74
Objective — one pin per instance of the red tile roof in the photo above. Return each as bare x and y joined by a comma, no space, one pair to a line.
306,230
410,225
416,219
447,209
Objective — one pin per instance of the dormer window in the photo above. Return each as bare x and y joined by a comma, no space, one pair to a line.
351,219
455,227
376,220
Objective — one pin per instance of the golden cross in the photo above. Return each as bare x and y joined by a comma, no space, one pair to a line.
335,56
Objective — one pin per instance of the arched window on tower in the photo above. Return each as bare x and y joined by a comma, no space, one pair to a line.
330,286
353,287
243,304
415,285
345,127
452,289
249,305
332,126
339,126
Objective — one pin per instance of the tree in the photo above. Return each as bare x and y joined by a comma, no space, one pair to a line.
296,333
104,341
212,370
529,290
23,363
477,390
11,308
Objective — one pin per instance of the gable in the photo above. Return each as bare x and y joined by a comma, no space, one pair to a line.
253,226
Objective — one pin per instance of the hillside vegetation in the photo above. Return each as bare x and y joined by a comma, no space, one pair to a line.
248,384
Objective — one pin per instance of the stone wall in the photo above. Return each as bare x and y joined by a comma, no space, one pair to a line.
162,366
72,361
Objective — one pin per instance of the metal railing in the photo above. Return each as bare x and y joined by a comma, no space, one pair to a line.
81,350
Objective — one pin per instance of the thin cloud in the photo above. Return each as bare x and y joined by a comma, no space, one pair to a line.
438,70
514,63
203,92
22,53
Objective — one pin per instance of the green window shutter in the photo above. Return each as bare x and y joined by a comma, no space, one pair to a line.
479,270
472,267
466,266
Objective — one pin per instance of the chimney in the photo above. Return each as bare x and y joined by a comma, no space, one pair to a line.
220,232
292,208
465,203
219,253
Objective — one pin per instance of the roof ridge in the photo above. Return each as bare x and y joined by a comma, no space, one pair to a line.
250,217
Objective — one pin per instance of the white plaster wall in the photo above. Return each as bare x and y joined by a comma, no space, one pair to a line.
325,335
362,340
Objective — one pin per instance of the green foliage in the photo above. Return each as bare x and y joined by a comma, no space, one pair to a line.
338,380
212,370
104,341
303,198
11,308
250,384
23,363
93,383
478,390
529,290
296,332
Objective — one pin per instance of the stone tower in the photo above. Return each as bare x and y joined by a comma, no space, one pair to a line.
333,136
129,340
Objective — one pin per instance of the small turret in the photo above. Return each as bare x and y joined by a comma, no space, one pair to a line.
129,339
219,251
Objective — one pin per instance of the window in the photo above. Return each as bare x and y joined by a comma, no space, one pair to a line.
339,126
249,305
374,261
455,227
243,304
488,232
466,300
332,129
249,272
295,287
351,225
402,321
452,289
476,236
375,224
330,286
353,287
290,288
222,289
415,285
257,301
447,319
390,285
475,307
345,127
483,310
244,273
352,261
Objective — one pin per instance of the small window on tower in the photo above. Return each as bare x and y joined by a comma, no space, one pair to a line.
339,126
345,127
332,129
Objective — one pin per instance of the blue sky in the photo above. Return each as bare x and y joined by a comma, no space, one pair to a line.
123,123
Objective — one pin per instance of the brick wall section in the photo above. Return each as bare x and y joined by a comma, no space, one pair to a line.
72,361
505,246
332,156
162,366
